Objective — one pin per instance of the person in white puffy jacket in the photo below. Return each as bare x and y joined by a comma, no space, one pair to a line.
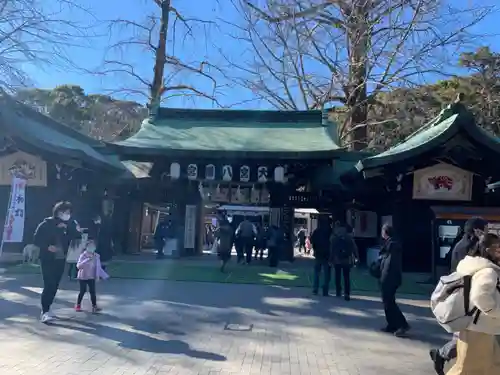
478,347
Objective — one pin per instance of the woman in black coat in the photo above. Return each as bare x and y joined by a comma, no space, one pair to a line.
391,277
101,232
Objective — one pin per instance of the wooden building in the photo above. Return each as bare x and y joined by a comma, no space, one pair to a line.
58,162
430,183
190,158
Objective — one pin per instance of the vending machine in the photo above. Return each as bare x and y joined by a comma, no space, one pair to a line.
447,222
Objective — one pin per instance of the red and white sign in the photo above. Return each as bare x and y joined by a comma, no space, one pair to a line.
14,221
442,182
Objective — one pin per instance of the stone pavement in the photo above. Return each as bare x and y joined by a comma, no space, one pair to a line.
176,328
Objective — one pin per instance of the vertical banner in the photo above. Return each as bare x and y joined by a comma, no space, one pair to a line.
190,227
14,221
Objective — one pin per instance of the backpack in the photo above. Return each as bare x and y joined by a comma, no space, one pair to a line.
450,303
342,248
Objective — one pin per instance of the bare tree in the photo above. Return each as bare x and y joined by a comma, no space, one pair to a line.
315,53
37,33
157,38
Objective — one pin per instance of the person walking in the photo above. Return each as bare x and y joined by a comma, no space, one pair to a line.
478,347
53,237
225,239
247,233
103,233
89,271
301,236
343,256
391,277
465,241
320,241
160,237
274,244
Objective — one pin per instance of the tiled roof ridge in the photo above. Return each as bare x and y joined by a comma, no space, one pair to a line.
455,108
228,115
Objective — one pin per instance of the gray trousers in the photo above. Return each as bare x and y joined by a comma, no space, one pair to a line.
449,350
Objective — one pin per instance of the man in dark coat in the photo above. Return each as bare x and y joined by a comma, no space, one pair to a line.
473,229
391,277
320,241
343,256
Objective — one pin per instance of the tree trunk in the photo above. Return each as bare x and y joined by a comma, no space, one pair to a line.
359,35
160,60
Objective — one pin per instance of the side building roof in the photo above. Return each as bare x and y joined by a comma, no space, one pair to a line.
452,121
46,134
222,133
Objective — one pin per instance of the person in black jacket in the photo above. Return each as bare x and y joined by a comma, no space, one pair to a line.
391,277
320,241
473,229
53,237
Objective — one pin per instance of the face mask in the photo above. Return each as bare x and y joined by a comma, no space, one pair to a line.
65,217
98,221
91,249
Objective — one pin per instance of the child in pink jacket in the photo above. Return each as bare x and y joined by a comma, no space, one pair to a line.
89,271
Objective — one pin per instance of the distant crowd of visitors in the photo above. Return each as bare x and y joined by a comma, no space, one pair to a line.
466,302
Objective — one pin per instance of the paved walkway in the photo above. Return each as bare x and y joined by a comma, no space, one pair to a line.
159,328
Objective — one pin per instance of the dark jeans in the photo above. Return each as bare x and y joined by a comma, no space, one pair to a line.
327,274
302,246
239,250
393,315
159,244
72,270
52,271
273,256
343,272
449,350
248,248
83,289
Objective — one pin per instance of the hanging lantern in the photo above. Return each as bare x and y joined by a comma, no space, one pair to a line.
210,172
244,173
262,174
279,174
227,173
175,171
192,172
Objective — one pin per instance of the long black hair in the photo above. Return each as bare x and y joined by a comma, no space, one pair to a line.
470,227
487,241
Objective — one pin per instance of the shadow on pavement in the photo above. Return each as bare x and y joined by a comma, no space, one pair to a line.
137,341
194,306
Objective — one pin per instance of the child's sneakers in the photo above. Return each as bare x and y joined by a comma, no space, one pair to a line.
78,308
96,310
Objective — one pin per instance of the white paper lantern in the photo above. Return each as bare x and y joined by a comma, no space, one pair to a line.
262,174
175,171
279,174
192,171
245,173
210,172
227,173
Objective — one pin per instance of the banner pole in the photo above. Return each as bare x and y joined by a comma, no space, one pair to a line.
7,215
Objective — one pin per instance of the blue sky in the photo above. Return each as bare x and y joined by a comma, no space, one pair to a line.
92,51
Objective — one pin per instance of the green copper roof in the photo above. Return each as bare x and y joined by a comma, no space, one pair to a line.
226,131
42,132
430,136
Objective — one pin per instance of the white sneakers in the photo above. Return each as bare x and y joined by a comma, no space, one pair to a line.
47,317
